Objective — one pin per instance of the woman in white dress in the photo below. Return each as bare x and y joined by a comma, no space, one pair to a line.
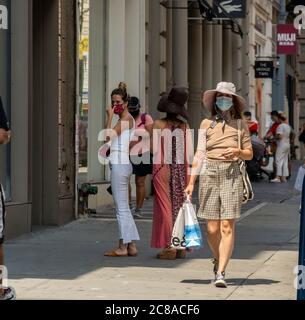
282,151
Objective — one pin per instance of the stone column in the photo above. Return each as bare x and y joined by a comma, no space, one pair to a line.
154,57
96,117
217,55
195,71
180,44
237,61
116,44
207,55
227,55
135,48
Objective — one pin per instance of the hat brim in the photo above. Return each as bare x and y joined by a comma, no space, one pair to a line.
209,99
167,106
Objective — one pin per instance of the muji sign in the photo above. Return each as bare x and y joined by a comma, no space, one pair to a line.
286,39
3,17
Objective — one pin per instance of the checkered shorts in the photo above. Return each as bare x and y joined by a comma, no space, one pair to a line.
221,191
2,215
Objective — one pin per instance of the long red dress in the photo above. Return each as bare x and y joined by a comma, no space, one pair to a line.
170,181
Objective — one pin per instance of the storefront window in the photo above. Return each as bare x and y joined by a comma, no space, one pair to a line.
5,53
84,84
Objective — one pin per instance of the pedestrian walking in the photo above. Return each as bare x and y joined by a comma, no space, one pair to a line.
140,155
302,142
9,292
121,170
283,150
170,170
216,161
252,125
270,137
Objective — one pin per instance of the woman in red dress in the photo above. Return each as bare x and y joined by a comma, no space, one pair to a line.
170,169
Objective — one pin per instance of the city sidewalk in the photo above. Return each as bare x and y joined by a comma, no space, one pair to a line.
68,262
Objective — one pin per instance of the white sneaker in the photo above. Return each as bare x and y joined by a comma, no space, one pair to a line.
132,207
9,294
220,281
138,214
276,180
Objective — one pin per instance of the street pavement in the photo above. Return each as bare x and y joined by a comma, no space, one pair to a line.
68,262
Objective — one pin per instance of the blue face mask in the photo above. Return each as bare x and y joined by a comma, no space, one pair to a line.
224,103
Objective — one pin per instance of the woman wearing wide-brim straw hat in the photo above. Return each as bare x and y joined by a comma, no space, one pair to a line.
216,161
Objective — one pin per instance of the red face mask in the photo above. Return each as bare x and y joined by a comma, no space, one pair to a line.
118,109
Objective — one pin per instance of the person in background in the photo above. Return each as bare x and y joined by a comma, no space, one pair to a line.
170,178
302,141
282,151
5,135
252,125
258,146
271,133
121,170
271,137
292,137
140,155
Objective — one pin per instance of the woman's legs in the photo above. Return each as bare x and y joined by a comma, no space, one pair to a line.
227,230
286,165
128,232
214,237
282,158
141,191
220,235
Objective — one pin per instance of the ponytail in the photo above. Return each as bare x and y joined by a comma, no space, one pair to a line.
121,90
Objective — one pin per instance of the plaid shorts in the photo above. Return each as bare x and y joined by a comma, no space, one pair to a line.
2,215
221,191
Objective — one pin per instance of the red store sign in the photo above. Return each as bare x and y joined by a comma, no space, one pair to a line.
286,39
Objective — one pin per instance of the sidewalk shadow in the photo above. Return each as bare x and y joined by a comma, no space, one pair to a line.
234,282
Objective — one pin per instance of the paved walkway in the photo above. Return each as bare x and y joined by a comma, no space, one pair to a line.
68,262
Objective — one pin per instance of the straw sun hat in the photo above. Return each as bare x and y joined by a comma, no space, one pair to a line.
209,97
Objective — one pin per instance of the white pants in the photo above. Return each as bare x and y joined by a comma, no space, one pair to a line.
282,158
120,176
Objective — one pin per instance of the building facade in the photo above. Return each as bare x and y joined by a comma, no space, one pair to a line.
37,86
60,60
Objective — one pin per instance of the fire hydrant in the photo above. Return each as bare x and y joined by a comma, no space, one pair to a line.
84,191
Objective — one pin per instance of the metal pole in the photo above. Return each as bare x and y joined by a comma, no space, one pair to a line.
301,288
282,68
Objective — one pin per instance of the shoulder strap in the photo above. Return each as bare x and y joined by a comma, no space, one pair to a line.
239,133
143,119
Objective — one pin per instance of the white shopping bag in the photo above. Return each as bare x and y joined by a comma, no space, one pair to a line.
299,180
178,240
269,167
192,231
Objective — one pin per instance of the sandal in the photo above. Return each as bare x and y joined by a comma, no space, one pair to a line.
167,254
132,253
114,254
181,254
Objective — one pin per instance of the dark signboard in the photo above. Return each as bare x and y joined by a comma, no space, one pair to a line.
235,9
264,69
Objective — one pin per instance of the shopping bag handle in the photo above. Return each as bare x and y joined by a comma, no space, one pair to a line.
188,198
